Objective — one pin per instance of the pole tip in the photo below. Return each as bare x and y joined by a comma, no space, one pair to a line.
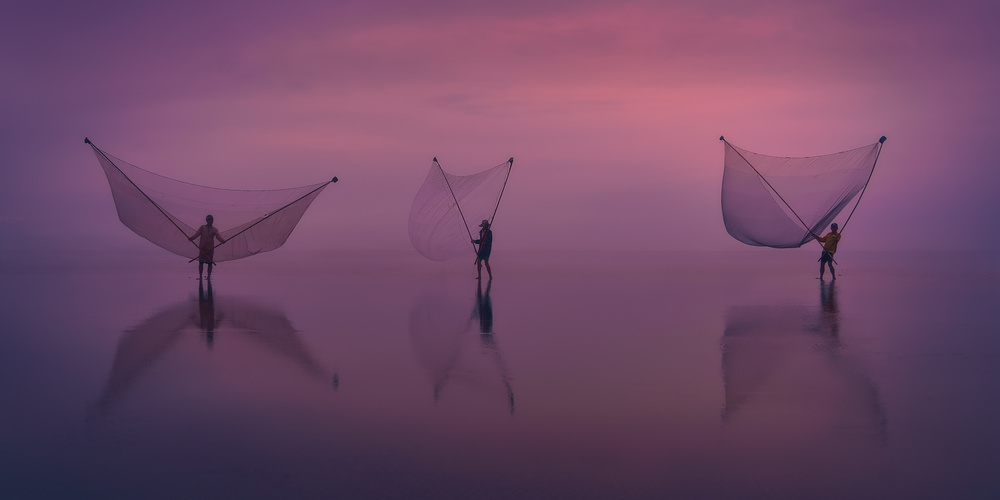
86,140
722,138
881,140
435,159
335,180
511,160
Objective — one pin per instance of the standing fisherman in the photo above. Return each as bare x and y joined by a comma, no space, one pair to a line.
206,245
829,248
485,243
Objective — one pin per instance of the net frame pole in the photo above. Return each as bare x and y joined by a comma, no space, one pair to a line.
723,139
510,167
455,198
881,141
137,188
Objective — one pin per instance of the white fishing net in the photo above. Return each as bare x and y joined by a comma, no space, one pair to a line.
166,211
781,202
448,208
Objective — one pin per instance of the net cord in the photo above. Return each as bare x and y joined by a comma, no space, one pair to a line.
158,208
453,197
775,192
880,143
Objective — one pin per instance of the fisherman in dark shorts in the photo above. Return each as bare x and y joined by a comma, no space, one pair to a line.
206,245
829,248
485,243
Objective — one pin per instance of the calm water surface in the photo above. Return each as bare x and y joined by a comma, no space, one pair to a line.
588,376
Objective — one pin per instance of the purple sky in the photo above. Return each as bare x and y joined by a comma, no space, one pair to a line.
612,111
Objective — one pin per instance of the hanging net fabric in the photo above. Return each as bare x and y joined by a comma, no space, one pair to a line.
781,202
448,209
167,211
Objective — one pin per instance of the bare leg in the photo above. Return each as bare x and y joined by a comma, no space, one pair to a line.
488,270
833,274
479,269
201,268
821,270
210,264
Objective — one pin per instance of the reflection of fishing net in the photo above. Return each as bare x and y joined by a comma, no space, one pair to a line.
441,329
787,362
448,209
778,202
166,211
265,327
439,323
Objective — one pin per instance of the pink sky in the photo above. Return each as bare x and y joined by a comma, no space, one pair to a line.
612,111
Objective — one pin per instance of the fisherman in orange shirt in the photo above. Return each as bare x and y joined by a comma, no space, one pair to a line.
829,248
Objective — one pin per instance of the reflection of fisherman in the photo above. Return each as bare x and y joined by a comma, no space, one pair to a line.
830,317
206,312
829,248
485,243
484,309
206,245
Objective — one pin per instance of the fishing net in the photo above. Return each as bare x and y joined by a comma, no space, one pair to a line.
167,211
448,209
780,202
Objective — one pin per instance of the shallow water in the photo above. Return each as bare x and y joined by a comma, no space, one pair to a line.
729,375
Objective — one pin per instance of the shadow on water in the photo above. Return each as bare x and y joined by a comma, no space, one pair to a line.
789,362
214,320
439,331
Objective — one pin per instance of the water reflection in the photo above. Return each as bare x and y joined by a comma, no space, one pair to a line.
214,320
785,366
439,333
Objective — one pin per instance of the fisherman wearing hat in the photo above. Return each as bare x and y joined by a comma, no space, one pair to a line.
485,243
829,248
206,245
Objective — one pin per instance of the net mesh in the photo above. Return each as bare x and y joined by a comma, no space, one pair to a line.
166,211
779,201
437,229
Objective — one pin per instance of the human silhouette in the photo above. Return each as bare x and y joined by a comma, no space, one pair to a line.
485,243
206,245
